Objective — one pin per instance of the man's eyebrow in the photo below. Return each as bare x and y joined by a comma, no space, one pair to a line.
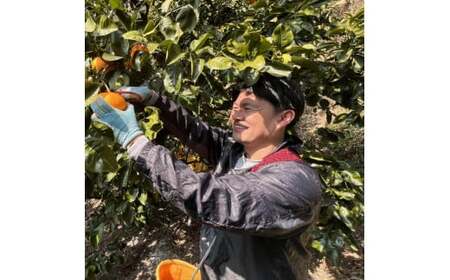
246,102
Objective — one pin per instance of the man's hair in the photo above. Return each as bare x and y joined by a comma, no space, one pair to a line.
281,93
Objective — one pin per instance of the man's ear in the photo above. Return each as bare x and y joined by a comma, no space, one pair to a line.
287,116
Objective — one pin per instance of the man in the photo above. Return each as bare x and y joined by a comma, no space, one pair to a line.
260,198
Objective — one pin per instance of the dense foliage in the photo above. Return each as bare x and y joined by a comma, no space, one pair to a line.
195,52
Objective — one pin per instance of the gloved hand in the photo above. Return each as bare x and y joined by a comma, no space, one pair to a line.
123,123
141,94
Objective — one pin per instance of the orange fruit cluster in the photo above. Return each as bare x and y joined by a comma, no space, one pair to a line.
115,100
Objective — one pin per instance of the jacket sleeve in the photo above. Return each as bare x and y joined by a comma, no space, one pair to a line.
207,141
275,201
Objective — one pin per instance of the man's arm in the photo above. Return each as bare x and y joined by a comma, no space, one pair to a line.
276,201
207,141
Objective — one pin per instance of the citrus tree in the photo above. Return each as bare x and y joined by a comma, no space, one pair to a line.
196,52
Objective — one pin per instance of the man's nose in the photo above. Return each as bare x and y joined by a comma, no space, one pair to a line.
236,115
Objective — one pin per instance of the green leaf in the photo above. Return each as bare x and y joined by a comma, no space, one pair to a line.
305,63
277,69
170,30
174,54
118,80
143,198
259,4
197,44
238,48
335,178
90,25
205,50
263,46
97,235
151,123
166,6
250,76
343,214
358,63
220,63
187,17
152,47
308,27
196,4
345,195
317,245
286,58
115,4
101,160
106,26
110,176
342,56
305,48
282,35
258,63
119,46
352,177
315,157
91,89
134,35
173,78
196,68
189,97
124,17
131,196
111,57
149,28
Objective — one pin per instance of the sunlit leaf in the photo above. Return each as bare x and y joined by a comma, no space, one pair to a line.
143,198
111,57
115,4
152,47
277,69
197,68
134,35
317,245
90,25
352,177
169,29
132,195
282,35
200,42
106,26
151,123
173,78
220,63
166,6
257,64
174,54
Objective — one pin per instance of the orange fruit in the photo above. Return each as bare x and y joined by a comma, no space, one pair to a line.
137,48
98,64
115,100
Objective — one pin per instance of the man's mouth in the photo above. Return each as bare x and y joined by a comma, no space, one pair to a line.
239,127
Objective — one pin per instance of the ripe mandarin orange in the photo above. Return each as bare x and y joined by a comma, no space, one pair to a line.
98,64
115,100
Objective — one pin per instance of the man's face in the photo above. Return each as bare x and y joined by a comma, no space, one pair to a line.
254,120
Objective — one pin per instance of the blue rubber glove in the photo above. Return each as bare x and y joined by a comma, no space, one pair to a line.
141,94
123,123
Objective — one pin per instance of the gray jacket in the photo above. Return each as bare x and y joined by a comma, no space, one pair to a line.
252,223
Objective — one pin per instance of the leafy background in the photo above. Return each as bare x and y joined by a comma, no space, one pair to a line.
195,52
